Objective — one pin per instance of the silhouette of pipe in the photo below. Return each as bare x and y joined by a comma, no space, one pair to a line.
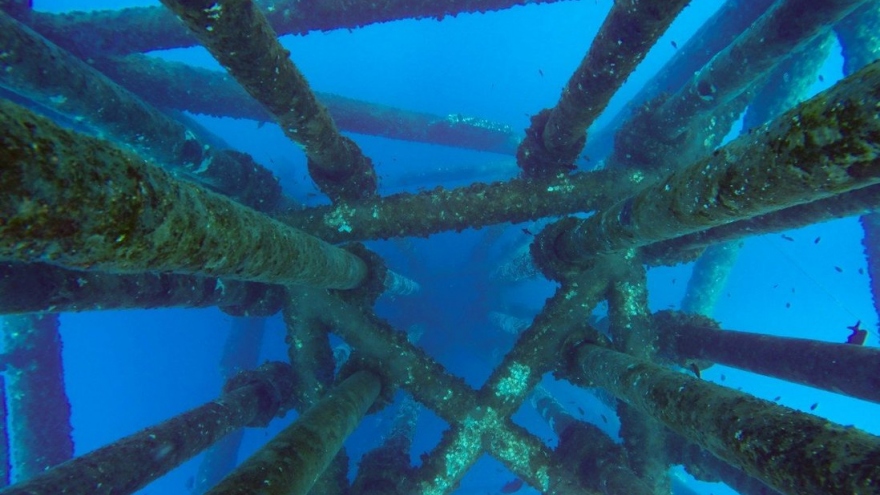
145,29
793,452
250,399
82,203
37,68
240,38
290,462
40,411
841,368
823,147
221,96
556,136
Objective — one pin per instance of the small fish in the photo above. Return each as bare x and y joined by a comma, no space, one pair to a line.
787,238
821,78
541,72
814,406
861,271
775,285
858,335
723,377
839,269
604,419
581,410
527,232
674,45
696,370
776,399
787,305
673,281
512,486
816,240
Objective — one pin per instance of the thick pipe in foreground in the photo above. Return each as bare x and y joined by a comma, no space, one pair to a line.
825,146
841,368
291,462
238,35
79,202
131,463
793,452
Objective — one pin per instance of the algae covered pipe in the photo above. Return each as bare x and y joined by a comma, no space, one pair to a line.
291,462
822,148
793,452
251,398
79,202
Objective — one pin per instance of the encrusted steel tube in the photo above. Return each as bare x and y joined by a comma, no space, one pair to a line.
841,368
127,465
556,136
787,25
825,146
290,462
35,67
793,452
79,202
238,35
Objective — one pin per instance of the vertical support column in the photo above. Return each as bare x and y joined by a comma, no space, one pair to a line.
291,462
39,409
5,454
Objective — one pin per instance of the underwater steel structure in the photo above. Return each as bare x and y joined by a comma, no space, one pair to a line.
169,220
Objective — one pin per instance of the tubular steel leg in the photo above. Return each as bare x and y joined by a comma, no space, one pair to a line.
290,462
845,369
823,147
556,136
129,464
80,202
239,36
793,452
39,408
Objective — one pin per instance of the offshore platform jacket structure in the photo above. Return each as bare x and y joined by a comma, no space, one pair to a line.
212,227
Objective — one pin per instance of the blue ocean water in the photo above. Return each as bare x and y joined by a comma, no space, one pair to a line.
125,370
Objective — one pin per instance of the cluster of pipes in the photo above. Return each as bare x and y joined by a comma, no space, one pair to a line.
172,220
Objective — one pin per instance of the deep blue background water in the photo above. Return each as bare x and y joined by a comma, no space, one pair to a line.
129,369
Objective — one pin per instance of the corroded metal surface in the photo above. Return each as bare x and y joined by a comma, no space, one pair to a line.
79,202
794,452
241,39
